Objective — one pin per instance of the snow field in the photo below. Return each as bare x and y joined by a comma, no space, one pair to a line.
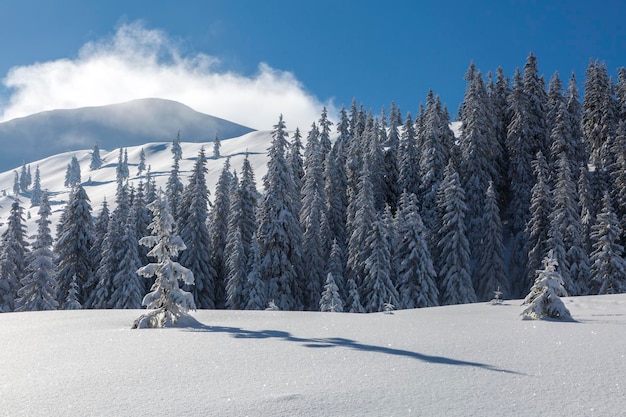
466,360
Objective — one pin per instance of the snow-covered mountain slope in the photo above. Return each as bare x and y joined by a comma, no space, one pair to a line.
100,184
31,138
467,360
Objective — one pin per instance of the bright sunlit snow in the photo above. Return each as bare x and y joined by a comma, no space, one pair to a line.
466,360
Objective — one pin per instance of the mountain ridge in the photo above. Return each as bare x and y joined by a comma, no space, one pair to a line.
130,123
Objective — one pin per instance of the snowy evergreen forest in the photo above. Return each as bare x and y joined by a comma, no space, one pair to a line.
371,213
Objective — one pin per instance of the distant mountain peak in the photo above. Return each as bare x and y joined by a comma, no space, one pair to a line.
117,125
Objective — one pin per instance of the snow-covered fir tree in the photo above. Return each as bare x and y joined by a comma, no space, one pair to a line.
25,178
71,301
544,297
311,214
38,287
96,160
409,158
166,300
101,225
353,302
218,230
36,193
336,266
194,231
279,232
566,228
417,284
520,177
360,227
174,187
378,287
254,289
217,144
13,257
16,183
113,251
490,274
331,299
539,223
237,267
73,246
335,187
72,173
454,262
121,170
128,286
608,264
141,166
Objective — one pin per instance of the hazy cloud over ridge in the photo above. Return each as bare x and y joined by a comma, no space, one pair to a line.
138,62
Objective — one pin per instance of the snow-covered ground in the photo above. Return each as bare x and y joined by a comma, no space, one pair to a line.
100,184
467,360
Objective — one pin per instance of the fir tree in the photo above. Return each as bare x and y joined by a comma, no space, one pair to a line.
96,161
254,291
490,274
417,284
598,121
113,251
378,287
71,301
73,246
193,230
409,159
174,188
218,229
353,302
331,300
72,174
141,167
13,257
324,135
166,300
311,213
335,188
479,149
536,103
101,225
454,267
520,177
279,232
216,146
543,299
128,287
360,227
565,230
25,179
16,183
38,287
237,266
392,168
539,223
608,265
36,194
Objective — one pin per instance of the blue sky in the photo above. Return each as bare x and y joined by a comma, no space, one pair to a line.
319,52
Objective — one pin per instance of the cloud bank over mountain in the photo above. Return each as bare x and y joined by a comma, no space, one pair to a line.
138,62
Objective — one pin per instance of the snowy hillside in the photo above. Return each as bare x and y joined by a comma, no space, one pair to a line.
158,156
466,360
136,122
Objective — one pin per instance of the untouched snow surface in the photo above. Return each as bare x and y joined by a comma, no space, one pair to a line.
467,360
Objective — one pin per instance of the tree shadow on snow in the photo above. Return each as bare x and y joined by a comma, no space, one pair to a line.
191,324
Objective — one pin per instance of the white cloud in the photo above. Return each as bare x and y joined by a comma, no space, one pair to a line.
138,62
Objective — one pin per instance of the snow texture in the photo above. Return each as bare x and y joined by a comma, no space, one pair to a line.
475,359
